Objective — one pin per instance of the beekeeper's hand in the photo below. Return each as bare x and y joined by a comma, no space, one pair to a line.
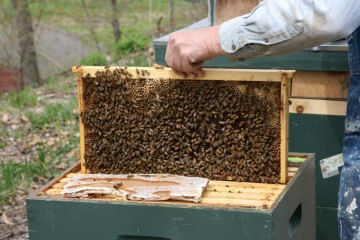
186,51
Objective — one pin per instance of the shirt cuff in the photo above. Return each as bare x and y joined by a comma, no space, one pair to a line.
238,36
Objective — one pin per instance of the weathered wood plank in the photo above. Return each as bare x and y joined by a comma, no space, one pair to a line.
317,106
320,84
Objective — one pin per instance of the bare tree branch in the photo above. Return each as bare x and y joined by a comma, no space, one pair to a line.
42,10
93,34
115,21
171,13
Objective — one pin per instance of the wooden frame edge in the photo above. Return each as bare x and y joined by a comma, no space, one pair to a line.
225,74
284,123
71,169
282,76
81,125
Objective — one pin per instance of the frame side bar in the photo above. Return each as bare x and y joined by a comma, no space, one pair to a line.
81,125
284,135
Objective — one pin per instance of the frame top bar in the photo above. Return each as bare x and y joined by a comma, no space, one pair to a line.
225,74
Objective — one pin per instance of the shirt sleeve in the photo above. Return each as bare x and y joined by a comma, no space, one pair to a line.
282,26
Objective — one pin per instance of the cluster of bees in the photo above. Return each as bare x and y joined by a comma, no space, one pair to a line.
185,127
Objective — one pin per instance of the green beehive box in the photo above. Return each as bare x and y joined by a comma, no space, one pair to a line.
258,211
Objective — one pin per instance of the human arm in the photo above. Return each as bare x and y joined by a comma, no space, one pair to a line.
281,26
273,27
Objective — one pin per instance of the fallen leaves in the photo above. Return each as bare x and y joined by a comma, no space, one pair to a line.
23,142
23,118
5,118
13,221
6,219
6,235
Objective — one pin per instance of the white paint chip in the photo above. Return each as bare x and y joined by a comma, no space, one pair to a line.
352,206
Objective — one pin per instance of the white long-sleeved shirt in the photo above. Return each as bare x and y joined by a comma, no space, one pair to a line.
282,26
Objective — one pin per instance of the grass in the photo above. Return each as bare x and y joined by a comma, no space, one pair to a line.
56,83
3,132
19,133
53,114
12,174
3,144
22,99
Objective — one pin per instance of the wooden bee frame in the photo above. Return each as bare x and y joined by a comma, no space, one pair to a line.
245,75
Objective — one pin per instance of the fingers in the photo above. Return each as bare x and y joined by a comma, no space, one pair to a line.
197,69
187,70
188,67
194,69
183,67
182,60
181,74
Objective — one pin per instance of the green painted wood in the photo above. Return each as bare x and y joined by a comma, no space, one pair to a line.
303,60
294,217
71,219
212,12
322,135
326,224
83,219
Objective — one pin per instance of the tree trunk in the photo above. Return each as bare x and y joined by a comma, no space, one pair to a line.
28,63
150,13
171,13
93,34
115,21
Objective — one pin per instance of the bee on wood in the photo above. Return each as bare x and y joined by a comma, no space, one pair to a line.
118,185
157,66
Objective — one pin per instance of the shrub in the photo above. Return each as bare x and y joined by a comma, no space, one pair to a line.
94,59
131,41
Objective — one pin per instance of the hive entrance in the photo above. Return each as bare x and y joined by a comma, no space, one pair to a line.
221,130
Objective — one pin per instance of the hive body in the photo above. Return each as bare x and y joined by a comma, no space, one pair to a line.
284,214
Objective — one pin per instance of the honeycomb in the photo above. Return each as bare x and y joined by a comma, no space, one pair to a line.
221,130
